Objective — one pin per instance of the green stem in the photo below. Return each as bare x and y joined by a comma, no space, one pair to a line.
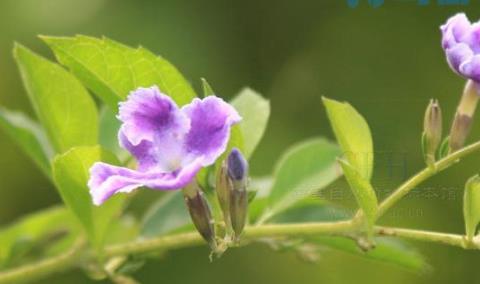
43,268
68,260
65,261
426,236
423,175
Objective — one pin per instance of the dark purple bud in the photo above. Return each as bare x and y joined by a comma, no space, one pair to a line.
200,212
238,210
237,165
464,116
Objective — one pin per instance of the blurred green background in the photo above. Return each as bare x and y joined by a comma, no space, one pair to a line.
386,61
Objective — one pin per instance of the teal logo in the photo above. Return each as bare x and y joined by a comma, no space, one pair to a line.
379,3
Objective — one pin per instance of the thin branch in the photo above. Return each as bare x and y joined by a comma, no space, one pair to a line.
45,267
427,236
69,259
423,175
63,262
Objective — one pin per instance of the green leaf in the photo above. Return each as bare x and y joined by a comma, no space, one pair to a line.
304,169
353,135
207,89
29,136
71,173
108,136
236,141
471,206
61,103
112,70
444,148
312,210
19,238
363,192
165,216
387,250
255,111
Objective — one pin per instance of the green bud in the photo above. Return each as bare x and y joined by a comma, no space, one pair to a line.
464,116
237,168
200,212
471,206
432,130
223,187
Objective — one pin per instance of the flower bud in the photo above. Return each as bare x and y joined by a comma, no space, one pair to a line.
223,187
200,212
464,116
432,129
471,206
237,168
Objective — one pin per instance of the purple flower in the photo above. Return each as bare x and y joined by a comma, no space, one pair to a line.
461,42
170,144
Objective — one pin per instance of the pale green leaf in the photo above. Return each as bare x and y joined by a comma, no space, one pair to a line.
255,112
112,70
71,173
165,216
387,250
471,206
353,135
108,136
19,238
207,89
29,136
363,192
313,209
61,103
304,169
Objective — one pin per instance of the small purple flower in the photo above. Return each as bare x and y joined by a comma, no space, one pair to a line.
170,144
461,42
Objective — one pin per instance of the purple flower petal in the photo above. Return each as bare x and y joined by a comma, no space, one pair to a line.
211,119
106,180
147,114
461,42
455,28
170,144
471,68
153,129
457,55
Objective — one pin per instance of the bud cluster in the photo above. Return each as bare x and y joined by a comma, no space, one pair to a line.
231,191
